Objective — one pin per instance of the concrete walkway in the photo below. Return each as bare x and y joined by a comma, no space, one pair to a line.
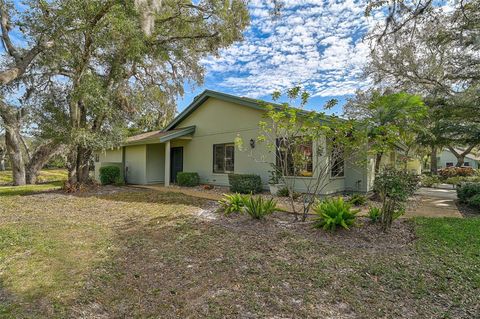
435,202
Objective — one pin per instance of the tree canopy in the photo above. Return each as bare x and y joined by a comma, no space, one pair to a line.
106,67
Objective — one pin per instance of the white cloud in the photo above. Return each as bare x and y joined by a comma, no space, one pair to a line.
317,44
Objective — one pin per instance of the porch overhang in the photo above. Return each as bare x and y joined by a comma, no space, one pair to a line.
178,133
160,136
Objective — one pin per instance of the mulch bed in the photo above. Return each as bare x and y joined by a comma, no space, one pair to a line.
467,211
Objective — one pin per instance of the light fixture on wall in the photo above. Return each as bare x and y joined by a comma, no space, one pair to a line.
252,143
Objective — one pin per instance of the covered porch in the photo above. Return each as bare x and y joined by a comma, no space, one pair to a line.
155,157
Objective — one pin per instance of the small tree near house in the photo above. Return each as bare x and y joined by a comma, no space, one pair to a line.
310,147
395,187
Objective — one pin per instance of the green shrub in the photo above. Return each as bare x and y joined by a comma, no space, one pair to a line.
467,191
188,179
283,192
474,201
334,212
394,187
232,203
245,183
471,179
258,208
429,180
398,212
456,180
374,214
357,200
119,181
110,175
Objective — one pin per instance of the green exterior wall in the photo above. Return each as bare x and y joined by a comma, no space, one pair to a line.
220,122
135,162
217,122
445,156
155,171
106,158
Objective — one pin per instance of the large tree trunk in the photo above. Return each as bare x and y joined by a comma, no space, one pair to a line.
12,119
460,161
15,155
433,161
79,165
3,151
39,158
461,156
378,159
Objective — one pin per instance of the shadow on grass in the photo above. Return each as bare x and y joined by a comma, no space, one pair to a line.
131,195
190,268
7,303
30,189
159,260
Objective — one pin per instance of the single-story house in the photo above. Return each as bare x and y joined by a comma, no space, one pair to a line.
201,139
447,159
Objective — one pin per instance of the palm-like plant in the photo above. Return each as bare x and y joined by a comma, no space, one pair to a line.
232,203
258,207
334,212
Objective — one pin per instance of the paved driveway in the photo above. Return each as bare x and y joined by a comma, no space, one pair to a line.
435,202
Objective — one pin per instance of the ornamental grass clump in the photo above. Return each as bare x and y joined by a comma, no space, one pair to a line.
334,212
255,207
232,203
258,208
374,214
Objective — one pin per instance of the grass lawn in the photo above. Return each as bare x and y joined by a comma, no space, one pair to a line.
45,176
124,252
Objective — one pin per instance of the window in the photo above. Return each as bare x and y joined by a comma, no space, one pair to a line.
466,164
449,164
304,162
337,162
97,157
223,158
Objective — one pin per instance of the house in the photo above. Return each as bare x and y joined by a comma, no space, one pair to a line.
201,139
447,159
396,159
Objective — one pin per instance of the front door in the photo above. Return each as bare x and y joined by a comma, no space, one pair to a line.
176,162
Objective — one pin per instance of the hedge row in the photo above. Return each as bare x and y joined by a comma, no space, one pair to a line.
245,183
110,175
469,193
188,179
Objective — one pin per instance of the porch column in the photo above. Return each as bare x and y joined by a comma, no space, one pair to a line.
167,163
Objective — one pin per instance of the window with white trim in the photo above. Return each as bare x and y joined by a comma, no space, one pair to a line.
223,158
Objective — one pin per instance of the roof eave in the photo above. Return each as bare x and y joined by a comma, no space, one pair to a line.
176,134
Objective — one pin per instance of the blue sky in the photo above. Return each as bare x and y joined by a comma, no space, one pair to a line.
317,44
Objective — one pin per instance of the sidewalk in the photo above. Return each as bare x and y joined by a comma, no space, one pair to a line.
435,202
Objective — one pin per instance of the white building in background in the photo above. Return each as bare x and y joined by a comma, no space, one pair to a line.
448,159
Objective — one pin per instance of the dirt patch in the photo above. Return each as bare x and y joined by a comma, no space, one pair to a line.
210,265
364,234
